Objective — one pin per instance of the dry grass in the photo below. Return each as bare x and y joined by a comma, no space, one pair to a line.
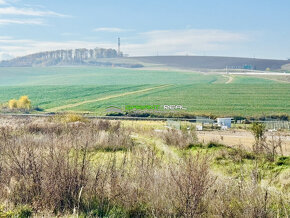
49,166
178,138
69,118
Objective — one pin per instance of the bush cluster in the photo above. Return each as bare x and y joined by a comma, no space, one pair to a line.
178,138
22,103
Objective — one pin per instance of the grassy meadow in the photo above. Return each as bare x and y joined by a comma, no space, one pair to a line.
60,88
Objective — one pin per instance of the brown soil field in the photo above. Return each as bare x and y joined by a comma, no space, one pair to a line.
242,138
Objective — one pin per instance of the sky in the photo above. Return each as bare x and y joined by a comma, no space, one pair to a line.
239,28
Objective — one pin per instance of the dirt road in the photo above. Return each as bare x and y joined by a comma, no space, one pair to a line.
55,109
230,79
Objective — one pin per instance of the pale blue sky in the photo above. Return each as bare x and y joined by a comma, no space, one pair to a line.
245,28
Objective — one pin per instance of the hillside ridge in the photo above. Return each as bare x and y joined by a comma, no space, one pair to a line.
81,56
111,58
214,62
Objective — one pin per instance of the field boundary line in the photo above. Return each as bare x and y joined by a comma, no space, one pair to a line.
104,98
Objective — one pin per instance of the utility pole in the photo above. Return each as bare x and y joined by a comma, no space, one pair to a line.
119,46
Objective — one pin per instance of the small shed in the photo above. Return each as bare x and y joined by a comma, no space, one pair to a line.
198,127
224,122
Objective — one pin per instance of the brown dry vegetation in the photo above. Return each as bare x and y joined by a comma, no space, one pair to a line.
178,138
51,168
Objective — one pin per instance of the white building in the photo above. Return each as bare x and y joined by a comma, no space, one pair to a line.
224,122
198,127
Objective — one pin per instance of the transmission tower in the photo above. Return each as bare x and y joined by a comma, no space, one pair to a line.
119,46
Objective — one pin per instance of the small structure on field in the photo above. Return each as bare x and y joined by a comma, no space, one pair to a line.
224,122
198,127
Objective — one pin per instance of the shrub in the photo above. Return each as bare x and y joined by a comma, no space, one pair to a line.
264,147
240,198
181,139
45,128
113,141
24,212
73,118
258,130
213,144
283,161
69,118
198,145
22,103
12,104
192,180
107,125
20,211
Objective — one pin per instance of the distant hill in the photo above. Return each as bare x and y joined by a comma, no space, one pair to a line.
212,62
63,57
286,67
111,58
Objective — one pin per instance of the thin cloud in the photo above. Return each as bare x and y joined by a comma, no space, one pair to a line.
21,21
20,47
188,41
5,37
2,2
28,12
110,29
163,42
68,34
5,56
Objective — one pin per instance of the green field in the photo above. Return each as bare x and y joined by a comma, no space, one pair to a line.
97,76
217,99
55,87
